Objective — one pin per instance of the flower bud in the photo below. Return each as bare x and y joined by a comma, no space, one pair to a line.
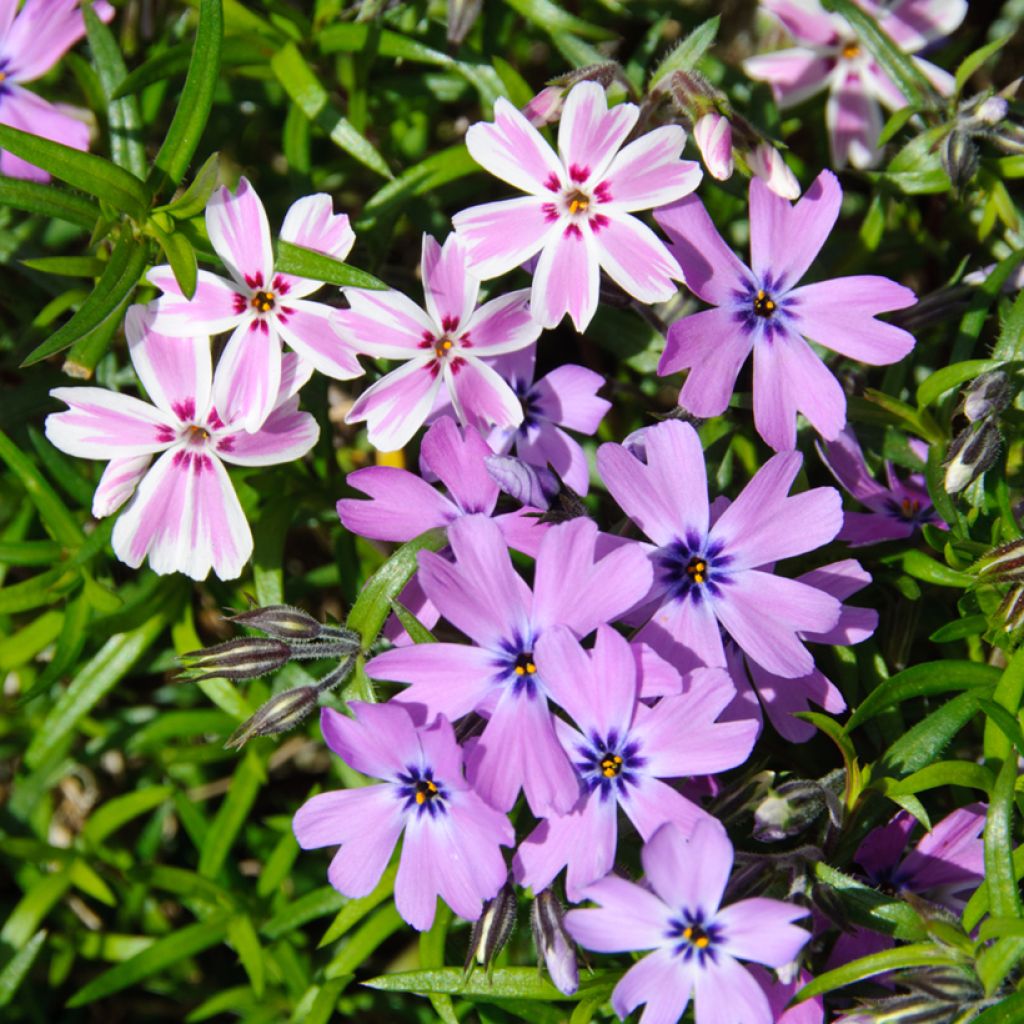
1004,564
973,450
461,16
987,395
766,162
545,107
713,135
992,111
959,157
281,713
553,942
247,657
1010,138
492,929
1011,611
789,810
280,621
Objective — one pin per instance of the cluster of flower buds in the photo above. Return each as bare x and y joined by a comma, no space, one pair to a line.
796,804
290,635
724,137
975,448
982,117
1005,565
939,995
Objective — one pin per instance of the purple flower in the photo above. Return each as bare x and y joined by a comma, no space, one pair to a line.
621,750
831,55
710,574
444,345
481,594
578,211
697,943
760,309
896,511
779,993
784,698
260,307
32,40
185,515
566,397
452,838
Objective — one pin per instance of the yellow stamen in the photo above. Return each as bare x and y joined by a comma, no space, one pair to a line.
702,942
579,203
687,933
851,50
263,302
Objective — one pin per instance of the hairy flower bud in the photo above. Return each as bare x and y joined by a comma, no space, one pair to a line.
280,621
1011,611
713,135
1004,564
546,106
553,942
972,451
767,163
992,111
281,713
247,657
959,157
492,929
987,395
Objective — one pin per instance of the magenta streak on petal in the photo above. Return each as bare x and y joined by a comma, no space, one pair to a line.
577,173
185,409
254,280
550,212
552,184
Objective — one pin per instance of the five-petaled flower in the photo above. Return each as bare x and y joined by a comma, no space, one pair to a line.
259,306
697,943
185,514
579,211
761,309
452,838
444,346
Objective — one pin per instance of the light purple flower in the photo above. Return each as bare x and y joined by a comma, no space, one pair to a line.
32,40
716,574
897,511
830,55
452,838
578,210
779,993
697,943
481,594
784,698
713,135
621,749
185,514
566,397
444,346
260,307
761,309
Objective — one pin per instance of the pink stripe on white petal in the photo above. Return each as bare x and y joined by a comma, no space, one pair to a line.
590,134
794,75
501,236
295,373
285,435
805,20
503,325
119,480
309,328
238,229
311,222
567,278
480,395
103,424
398,404
449,289
633,256
387,325
913,24
214,307
854,122
649,171
248,377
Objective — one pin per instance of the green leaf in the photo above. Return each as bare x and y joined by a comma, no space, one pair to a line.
972,322
1009,1010
304,88
975,59
924,680
556,21
193,107
1004,897
504,983
233,813
29,552
684,57
917,564
317,266
16,969
960,629
23,921
123,116
942,380
67,266
118,812
180,255
871,908
103,307
242,935
169,950
193,200
834,731
1010,343
355,910
895,123
942,773
921,744
416,630
85,171
364,941
50,201
1008,694
318,903
45,588
176,59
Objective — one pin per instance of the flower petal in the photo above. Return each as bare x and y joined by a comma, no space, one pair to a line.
794,75
387,325
401,505
844,459
308,327
416,884
501,236
649,171
913,24
804,19
589,134
449,289
774,402
398,404
480,396
31,113
725,992
650,804
633,256
568,396
689,873
456,458
311,222
119,480
213,308
248,377
286,435
567,278
103,424
685,633
381,740
854,122
761,930
42,32
503,325
239,232
630,917
660,983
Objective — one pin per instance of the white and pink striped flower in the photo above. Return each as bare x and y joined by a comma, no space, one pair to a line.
185,514
443,346
262,308
578,211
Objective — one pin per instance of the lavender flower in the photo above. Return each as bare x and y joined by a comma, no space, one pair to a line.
710,574
481,594
621,750
697,943
897,511
578,211
452,837
760,309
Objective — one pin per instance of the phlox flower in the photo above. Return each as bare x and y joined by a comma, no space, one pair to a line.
697,943
443,346
761,309
564,398
578,209
498,676
260,307
710,574
622,749
452,838
830,55
185,514
32,40
779,993
897,510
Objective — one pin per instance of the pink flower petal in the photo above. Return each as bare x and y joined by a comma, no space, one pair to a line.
686,634
380,741
398,404
286,435
418,878
568,396
175,372
649,171
104,425
761,930
689,874
312,222
539,445
774,403
805,21
633,256
785,239
239,232
480,396
503,325
31,113
913,24
450,291
402,505
794,75
213,309
248,377
456,458
501,236
649,804
845,461
308,327
589,134
567,278
388,324
854,123
661,984
783,698
724,992
119,480
474,866
42,32
630,917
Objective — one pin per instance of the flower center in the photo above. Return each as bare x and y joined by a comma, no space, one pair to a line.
524,665
611,765
262,302
697,569
443,347
421,793
197,435
764,304
910,507
426,790
697,938
694,567
851,50
578,203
